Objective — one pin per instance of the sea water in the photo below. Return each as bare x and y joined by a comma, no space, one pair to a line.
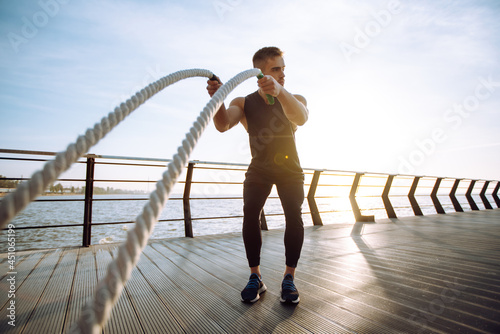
226,217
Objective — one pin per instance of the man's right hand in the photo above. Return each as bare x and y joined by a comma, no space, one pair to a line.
213,85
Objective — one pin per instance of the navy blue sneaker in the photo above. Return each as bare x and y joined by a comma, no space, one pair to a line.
289,293
255,286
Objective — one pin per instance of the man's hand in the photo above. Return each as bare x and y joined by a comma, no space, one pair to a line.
213,85
270,86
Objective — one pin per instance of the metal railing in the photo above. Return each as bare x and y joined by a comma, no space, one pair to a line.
332,185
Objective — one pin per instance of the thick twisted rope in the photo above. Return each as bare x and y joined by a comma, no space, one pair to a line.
95,313
12,204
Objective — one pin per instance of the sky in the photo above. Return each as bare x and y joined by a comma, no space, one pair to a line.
399,87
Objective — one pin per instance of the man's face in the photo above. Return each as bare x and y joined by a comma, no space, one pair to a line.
275,67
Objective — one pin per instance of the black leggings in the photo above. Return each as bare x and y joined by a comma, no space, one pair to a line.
254,197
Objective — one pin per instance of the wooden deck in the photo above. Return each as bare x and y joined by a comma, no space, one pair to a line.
428,274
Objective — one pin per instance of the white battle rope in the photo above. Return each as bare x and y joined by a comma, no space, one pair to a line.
96,312
26,192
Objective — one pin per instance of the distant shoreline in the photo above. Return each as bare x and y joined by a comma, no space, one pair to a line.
46,194
2,194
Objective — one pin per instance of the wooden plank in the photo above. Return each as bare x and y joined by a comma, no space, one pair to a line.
301,316
266,317
153,314
427,282
376,281
192,320
5,265
403,288
200,296
213,279
123,318
48,316
28,294
432,274
313,294
429,273
22,271
82,290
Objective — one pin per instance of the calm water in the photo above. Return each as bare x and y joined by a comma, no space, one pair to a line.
61,213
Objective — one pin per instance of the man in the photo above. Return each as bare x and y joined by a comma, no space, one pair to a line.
271,129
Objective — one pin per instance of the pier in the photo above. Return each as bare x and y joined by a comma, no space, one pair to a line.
423,274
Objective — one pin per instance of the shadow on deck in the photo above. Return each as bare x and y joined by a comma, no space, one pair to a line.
426,274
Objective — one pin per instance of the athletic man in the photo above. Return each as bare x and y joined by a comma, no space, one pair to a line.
271,129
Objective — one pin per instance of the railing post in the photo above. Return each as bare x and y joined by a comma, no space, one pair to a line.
495,194
435,200
263,221
316,218
385,197
188,223
487,204
411,196
472,204
456,203
89,193
355,208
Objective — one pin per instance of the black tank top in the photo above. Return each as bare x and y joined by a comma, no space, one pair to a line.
272,140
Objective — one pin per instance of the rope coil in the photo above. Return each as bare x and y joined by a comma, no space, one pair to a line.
96,312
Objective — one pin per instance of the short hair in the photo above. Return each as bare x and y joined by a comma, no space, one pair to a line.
264,54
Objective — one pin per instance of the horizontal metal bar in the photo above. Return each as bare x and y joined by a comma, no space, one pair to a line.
126,199
61,199
128,164
334,185
96,199
133,222
23,159
42,226
216,168
210,182
26,179
118,157
326,171
236,167
10,151
128,181
214,198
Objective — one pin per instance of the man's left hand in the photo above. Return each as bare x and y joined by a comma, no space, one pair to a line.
270,86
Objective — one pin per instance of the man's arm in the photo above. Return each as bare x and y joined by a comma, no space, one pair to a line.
294,106
225,119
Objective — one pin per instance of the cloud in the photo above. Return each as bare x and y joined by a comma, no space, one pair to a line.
94,54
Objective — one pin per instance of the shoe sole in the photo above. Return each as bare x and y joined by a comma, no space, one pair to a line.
262,289
296,301
289,300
